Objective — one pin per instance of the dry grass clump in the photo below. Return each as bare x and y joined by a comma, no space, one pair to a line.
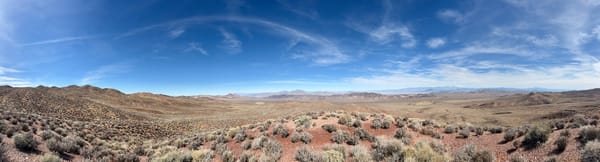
345,119
303,121
340,136
259,142
510,134
472,153
272,150
517,159
425,151
402,134
332,156
174,156
359,154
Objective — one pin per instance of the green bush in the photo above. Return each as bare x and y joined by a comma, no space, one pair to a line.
471,153
50,158
25,142
591,152
537,136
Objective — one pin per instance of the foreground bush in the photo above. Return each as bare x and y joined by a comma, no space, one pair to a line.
25,142
561,143
359,154
471,153
387,149
50,158
305,137
537,136
510,134
332,156
340,136
305,154
281,130
591,152
202,155
589,134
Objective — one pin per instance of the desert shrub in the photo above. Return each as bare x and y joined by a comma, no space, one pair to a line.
10,131
202,155
400,123
472,153
495,130
272,149
538,135
565,133
46,135
479,131
403,135
281,130
305,137
259,142
50,158
363,117
332,156
329,127
589,134
424,152
344,119
336,147
363,134
174,156
245,156
510,134
3,126
561,143
464,133
54,145
356,123
386,123
25,142
359,154
305,154
559,125
376,123
340,136
246,145
450,129
517,159
387,149
303,121
227,156
241,136
128,157
591,152
352,140
3,152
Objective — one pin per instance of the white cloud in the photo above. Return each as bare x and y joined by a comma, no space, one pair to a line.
387,33
11,81
451,16
479,50
230,42
176,32
103,72
436,42
195,47
322,52
596,32
54,41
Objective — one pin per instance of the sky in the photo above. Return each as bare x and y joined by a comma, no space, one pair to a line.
242,46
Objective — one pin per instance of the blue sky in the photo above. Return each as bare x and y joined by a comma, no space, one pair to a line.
217,47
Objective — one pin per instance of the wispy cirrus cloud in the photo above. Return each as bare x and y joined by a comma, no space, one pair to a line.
436,42
453,16
230,42
322,51
105,71
196,48
176,32
6,79
55,41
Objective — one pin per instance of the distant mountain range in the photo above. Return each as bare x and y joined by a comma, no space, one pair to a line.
416,90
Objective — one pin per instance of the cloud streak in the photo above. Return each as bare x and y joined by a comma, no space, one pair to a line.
323,52
436,42
230,42
11,81
55,41
103,72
